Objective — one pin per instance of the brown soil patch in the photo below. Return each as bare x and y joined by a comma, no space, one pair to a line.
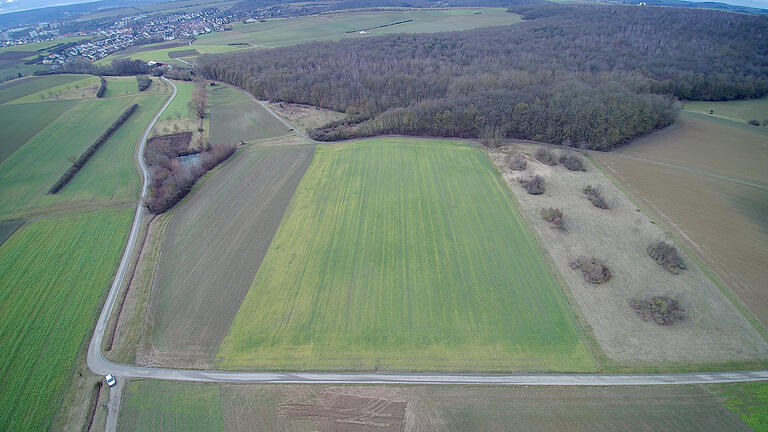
347,413
715,330
213,246
304,117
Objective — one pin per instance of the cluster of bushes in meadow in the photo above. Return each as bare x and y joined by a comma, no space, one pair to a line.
102,88
170,178
578,75
143,82
80,162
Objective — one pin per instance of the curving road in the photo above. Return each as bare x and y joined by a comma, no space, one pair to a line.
100,365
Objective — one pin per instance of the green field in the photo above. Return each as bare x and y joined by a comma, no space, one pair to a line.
404,254
16,89
170,406
21,122
235,117
749,401
122,86
333,26
54,273
68,90
739,110
178,107
110,175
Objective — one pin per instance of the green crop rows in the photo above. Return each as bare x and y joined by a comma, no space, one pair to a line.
404,254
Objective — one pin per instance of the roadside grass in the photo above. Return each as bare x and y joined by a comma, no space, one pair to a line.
82,88
19,88
747,400
54,273
150,405
235,117
110,175
336,25
404,254
178,107
739,110
21,122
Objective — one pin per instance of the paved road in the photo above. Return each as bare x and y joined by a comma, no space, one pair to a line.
100,365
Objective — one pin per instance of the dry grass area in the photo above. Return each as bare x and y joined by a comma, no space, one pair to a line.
212,246
714,331
304,117
707,180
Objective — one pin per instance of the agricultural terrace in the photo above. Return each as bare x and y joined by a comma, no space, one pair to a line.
54,273
236,117
79,89
16,89
713,195
168,406
404,254
27,173
345,24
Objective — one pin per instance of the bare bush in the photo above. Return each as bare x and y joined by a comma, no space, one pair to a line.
594,195
198,104
593,270
545,156
572,161
661,309
533,184
517,162
555,217
666,256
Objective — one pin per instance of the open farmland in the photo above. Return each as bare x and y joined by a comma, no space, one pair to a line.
122,86
7,228
110,175
345,24
178,107
714,331
404,254
157,405
749,401
213,245
19,88
236,117
79,89
21,122
54,273
739,110
712,194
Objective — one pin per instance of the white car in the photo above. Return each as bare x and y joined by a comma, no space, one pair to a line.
111,381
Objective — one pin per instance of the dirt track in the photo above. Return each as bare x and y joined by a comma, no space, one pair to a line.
212,248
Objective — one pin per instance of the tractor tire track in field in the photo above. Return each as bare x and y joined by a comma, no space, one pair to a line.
100,365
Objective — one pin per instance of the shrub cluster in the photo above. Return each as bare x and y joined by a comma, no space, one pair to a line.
534,184
143,82
572,161
661,309
555,217
102,88
78,164
517,162
593,269
594,195
666,256
545,156
170,179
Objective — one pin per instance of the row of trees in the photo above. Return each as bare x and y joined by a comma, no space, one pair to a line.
102,88
80,162
198,102
143,82
594,77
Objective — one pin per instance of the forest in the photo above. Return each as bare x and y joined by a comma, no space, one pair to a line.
580,75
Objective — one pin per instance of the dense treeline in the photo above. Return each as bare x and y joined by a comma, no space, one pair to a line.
589,76
170,178
80,162
102,88
119,67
